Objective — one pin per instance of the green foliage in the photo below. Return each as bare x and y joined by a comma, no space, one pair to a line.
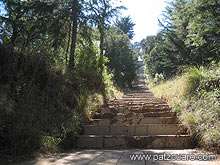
49,143
36,21
204,28
158,78
126,25
201,115
193,81
87,66
158,58
40,102
211,78
121,62
189,36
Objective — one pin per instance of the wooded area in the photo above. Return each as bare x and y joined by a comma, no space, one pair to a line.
60,61
189,36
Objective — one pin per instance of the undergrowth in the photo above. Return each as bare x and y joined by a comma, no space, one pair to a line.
195,96
42,105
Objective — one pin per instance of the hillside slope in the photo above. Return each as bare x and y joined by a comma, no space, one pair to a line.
195,95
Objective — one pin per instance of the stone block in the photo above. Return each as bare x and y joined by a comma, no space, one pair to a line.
116,142
118,130
96,130
140,130
92,142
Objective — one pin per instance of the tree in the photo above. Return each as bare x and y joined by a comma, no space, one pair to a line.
190,36
27,23
127,26
102,12
176,19
159,56
74,19
203,29
121,61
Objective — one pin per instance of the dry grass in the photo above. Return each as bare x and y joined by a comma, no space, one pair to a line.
196,103
171,90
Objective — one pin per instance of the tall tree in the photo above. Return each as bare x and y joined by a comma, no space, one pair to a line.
127,26
203,30
74,19
121,60
26,23
102,12
190,36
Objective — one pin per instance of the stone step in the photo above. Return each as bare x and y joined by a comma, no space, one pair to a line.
133,99
134,102
134,109
159,114
139,95
132,114
117,108
128,115
138,92
134,130
147,109
130,121
147,96
104,115
128,142
149,100
131,104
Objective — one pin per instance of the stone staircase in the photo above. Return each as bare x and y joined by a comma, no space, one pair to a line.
137,120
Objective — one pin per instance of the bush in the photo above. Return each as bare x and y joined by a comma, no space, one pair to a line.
42,105
49,143
193,81
158,78
151,81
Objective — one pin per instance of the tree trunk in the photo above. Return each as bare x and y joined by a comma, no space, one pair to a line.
68,43
101,31
74,19
101,61
101,51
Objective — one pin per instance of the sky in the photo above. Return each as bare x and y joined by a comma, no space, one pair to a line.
145,14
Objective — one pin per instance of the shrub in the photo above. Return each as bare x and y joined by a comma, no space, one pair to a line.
49,143
158,78
41,104
193,81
